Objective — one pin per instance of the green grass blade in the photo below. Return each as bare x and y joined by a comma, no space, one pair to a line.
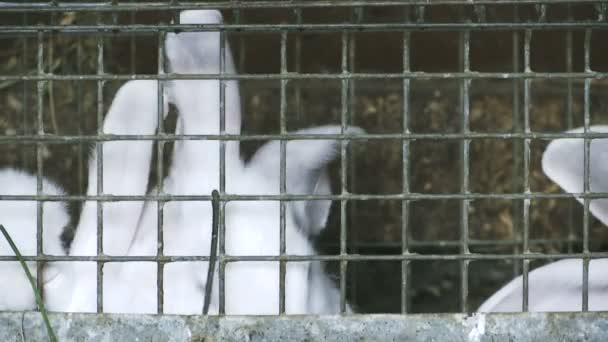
41,307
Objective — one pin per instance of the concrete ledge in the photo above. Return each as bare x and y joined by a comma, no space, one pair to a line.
18,326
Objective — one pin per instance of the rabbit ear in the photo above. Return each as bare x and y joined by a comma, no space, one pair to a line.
125,171
200,53
199,102
305,173
126,167
195,52
563,162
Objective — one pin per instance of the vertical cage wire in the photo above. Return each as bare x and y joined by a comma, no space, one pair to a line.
465,163
586,218
222,180
100,162
283,175
238,18
132,46
221,258
586,173
82,120
526,170
24,113
39,161
344,116
297,56
405,204
357,16
50,83
517,146
159,177
569,121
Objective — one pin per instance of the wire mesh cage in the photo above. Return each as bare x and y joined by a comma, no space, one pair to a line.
440,200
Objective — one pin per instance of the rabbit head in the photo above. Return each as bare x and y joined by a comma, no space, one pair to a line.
20,220
558,286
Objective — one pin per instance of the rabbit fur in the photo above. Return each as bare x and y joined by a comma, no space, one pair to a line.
126,165
20,220
558,285
252,227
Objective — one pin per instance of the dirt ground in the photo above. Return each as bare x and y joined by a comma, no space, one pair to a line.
375,166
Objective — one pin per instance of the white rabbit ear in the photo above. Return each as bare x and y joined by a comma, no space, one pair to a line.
125,171
197,52
126,167
563,162
199,103
305,173
190,53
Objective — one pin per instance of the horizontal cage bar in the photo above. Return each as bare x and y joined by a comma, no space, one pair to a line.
298,4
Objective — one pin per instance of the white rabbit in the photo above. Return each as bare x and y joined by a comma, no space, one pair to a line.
126,166
558,286
252,227
194,171
20,220
131,286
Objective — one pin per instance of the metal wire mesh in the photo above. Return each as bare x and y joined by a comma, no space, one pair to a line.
525,20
